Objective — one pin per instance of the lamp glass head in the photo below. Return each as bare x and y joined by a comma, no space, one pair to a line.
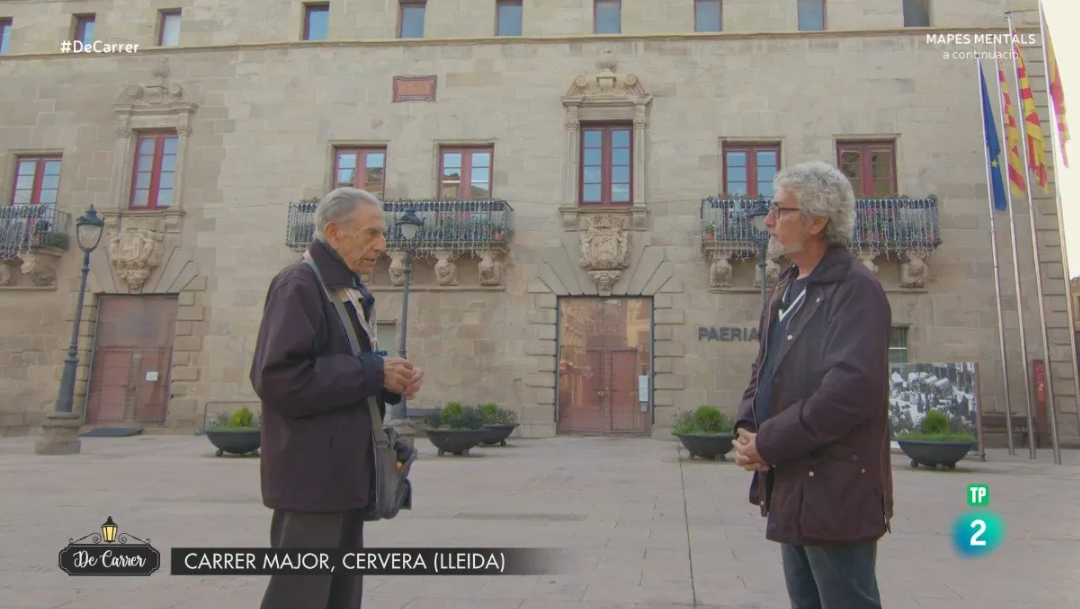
410,224
759,222
108,530
88,230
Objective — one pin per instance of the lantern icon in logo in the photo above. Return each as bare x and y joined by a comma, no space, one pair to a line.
108,530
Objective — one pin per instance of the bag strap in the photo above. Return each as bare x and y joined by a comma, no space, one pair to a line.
373,406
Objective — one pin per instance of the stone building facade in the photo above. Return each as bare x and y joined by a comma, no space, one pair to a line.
583,170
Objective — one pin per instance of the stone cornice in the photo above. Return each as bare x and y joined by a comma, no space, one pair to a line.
528,40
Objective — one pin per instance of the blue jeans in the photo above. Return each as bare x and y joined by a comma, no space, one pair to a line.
831,577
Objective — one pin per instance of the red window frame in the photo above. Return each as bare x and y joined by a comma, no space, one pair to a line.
465,184
751,151
359,179
401,13
81,23
154,189
308,10
606,164
596,6
163,16
499,5
719,7
864,182
39,176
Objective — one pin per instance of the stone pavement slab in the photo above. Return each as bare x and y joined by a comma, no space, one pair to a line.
638,525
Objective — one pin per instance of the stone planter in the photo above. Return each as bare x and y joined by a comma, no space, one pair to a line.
938,455
707,446
497,433
235,441
455,441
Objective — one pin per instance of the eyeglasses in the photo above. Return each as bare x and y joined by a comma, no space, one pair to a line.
775,210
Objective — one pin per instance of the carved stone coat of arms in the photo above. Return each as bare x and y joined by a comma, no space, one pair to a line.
135,253
605,251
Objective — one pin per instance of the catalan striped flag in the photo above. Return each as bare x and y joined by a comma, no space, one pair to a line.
1015,162
1057,93
1036,142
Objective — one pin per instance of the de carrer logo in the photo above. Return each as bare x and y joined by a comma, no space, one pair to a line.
109,553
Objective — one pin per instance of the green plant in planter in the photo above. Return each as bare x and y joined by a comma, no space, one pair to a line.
57,240
935,427
493,415
455,416
238,420
705,420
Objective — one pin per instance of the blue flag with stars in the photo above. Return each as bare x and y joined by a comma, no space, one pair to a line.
993,147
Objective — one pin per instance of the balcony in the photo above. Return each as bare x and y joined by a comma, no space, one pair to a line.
454,225
896,227
32,238
451,229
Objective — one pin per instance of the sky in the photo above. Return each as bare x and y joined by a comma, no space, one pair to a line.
1059,13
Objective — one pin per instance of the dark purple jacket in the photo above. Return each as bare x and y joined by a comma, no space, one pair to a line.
316,431
828,438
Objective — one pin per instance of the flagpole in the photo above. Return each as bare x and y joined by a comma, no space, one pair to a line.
1055,136
994,251
1016,263
1048,377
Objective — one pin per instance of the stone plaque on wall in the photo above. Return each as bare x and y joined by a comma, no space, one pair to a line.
414,88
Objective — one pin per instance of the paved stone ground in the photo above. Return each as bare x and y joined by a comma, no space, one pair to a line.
639,527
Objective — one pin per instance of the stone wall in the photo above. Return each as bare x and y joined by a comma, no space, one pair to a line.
262,122
40,26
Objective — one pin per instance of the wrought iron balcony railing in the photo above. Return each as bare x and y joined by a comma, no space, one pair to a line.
25,227
453,225
884,225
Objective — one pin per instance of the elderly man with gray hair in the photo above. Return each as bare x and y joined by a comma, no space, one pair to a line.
813,425
316,391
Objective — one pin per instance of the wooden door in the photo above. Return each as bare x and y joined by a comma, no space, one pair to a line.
605,349
132,360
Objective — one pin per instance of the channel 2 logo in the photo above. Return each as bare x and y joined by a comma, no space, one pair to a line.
979,533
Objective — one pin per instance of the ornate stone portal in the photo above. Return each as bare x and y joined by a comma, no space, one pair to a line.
136,251
161,105
604,97
605,251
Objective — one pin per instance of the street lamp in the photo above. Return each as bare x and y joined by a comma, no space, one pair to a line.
57,433
409,224
108,530
758,213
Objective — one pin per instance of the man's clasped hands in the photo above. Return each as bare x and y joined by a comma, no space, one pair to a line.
746,454
400,376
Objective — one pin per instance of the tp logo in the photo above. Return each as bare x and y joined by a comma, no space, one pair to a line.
977,534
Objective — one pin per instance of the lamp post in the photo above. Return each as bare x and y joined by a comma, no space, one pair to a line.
60,433
410,225
758,213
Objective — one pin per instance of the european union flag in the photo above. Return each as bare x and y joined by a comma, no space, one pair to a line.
993,147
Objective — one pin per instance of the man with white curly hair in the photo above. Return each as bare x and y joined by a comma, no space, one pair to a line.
813,424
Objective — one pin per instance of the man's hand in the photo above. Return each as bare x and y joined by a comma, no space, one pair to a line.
397,374
414,386
746,454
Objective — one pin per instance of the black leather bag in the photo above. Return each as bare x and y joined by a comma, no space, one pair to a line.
391,490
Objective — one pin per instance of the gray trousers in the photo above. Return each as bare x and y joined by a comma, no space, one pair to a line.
832,577
303,530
